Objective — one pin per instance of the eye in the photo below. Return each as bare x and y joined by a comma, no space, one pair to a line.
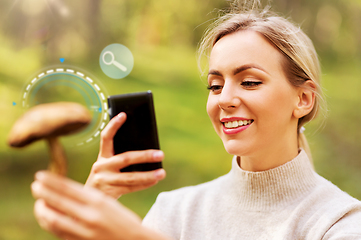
251,84
215,88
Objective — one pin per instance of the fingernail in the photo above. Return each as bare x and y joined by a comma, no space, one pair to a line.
39,175
159,174
35,186
121,115
158,155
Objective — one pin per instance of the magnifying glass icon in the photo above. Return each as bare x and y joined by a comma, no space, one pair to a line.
112,61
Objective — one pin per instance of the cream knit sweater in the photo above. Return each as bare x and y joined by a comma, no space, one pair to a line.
287,202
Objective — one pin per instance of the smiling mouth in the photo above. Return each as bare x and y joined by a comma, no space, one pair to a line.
237,123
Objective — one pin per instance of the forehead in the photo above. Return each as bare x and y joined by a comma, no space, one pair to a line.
245,47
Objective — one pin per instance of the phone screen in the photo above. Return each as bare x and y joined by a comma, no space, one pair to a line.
139,132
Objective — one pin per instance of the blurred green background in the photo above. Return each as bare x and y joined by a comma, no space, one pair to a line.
163,36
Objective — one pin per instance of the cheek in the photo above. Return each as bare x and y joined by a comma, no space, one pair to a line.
212,107
275,107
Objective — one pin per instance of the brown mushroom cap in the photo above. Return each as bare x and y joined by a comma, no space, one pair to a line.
48,120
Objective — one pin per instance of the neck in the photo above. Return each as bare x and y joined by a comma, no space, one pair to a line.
270,157
267,190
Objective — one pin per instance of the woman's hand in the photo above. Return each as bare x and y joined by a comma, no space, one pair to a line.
105,174
72,211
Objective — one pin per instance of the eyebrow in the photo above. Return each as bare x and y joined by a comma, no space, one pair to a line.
238,70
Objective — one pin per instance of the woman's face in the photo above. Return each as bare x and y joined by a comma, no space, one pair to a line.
251,102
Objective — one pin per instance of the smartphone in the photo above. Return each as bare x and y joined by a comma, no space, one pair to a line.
139,132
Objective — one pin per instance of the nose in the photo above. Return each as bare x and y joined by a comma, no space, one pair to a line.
229,99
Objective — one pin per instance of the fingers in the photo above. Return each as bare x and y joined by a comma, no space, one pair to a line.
117,184
108,133
49,185
54,199
105,174
135,188
67,196
129,178
54,221
123,160
138,178
72,212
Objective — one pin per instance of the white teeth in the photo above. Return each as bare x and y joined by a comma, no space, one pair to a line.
239,123
228,124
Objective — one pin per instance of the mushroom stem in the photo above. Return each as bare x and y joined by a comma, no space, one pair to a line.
57,157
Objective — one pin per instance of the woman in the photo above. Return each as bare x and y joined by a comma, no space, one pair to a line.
264,86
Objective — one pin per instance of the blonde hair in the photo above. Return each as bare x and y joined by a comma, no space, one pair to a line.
300,58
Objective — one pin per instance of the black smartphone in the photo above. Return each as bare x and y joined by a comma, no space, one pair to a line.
139,132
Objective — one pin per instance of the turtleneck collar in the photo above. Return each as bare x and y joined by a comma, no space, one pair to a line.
274,188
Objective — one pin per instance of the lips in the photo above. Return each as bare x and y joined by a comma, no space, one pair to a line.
235,125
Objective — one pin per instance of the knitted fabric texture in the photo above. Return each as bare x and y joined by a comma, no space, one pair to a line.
288,202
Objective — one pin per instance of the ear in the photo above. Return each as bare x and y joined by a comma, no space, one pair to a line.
306,99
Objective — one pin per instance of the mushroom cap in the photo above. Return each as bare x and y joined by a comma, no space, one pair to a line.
48,120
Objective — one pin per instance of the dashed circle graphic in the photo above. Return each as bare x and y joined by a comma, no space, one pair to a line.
70,84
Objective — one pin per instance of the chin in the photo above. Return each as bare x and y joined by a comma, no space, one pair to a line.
235,147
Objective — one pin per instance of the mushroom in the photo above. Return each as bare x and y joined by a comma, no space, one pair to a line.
49,121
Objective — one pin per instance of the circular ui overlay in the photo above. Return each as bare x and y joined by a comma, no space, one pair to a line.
116,61
70,85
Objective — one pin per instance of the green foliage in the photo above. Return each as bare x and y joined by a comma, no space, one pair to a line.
163,36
